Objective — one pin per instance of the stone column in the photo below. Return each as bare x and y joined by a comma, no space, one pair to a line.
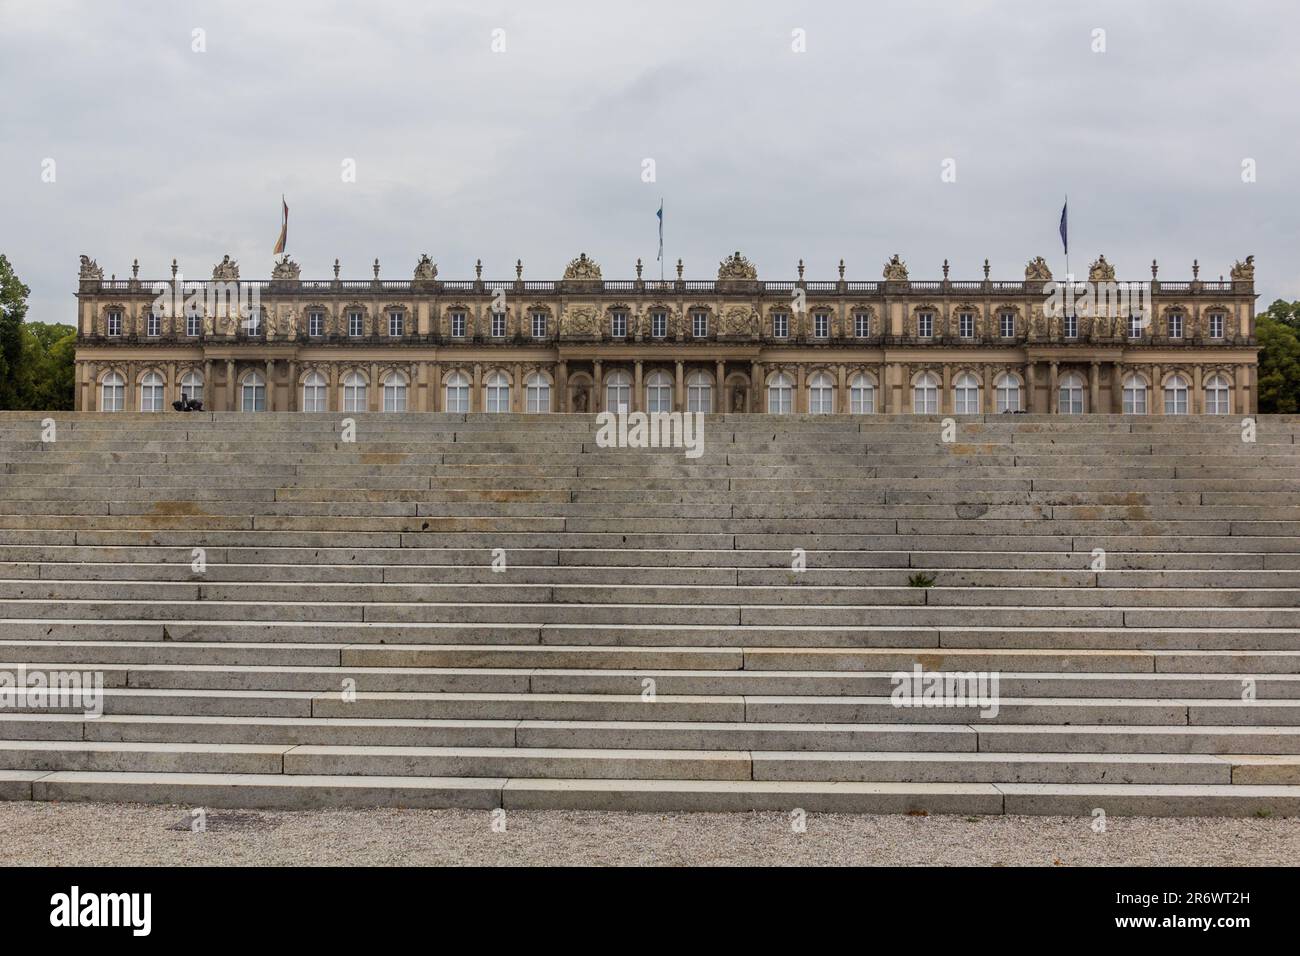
679,386
230,386
1198,392
517,400
720,403
435,387
1094,387
945,399
476,394
597,403
562,386
1244,404
1031,387
293,386
990,394
270,385
335,402
841,391
1117,388
1156,401
1053,392
638,392
757,392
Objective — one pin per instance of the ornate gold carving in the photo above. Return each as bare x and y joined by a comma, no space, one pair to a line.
895,269
227,270
737,267
1037,270
1101,271
582,269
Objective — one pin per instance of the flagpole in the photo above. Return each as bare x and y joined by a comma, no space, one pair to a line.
1069,277
661,239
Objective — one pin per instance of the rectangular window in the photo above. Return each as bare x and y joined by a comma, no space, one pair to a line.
1135,326
356,325
1216,325
862,325
780,325
253,324
700,325
315,324
1008,323
193,325
618,325
1175,325
458,325
966,325
821,325
498,325
539,325
153,324
924,325
115,323
658,325
395,324
1070,327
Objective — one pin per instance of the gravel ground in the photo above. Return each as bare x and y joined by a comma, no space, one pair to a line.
83,834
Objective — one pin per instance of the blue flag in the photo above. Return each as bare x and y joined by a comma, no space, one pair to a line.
660,214
1065,240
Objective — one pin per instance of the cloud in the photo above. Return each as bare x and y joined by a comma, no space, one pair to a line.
536,153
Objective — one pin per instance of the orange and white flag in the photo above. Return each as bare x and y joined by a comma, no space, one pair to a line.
284,230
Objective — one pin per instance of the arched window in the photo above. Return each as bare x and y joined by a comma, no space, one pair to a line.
659,392
862,395
925,395
1176,396
699,392
618,391
966,394
821,394
395,392
354,392
113,394
314,393
457,392
1070,394
192,386
253,393
780,394
1006,390
151,393
1217,401
537,392
498,391
1135,395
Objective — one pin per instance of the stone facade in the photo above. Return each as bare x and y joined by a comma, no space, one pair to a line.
733,343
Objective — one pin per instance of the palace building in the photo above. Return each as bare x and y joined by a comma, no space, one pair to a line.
734,343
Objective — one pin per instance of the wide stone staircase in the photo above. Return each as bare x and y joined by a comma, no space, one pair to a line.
493,611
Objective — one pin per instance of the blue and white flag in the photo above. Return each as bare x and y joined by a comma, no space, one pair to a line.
1065,240
660,214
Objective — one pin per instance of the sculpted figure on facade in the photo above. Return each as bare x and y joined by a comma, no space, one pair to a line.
1101,271
740,320
90,270
425,269
1037,270
227,270
737,268
580,321
895,269
582,269
284,270
1244,271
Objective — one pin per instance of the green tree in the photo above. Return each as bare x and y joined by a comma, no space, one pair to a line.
13,308
46,382
1278,331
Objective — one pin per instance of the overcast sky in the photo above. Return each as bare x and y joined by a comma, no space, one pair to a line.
537,152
